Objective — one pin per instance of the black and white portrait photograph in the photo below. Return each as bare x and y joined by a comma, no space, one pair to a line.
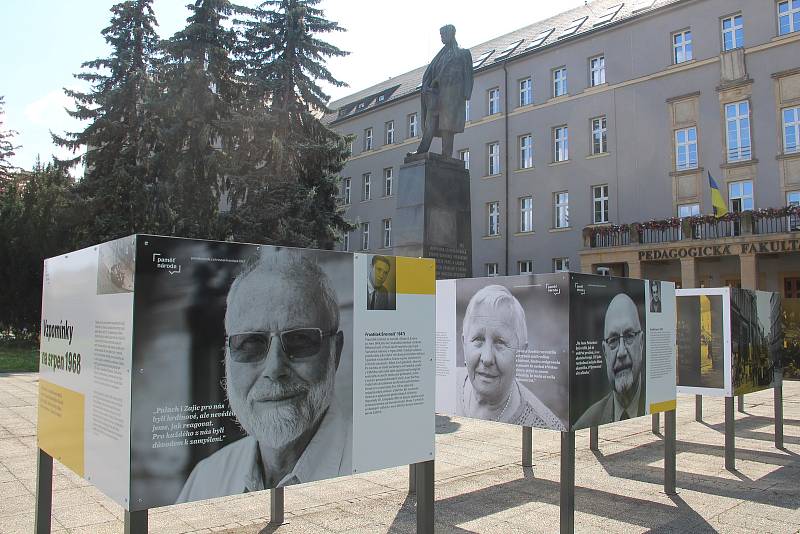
654,287
381,288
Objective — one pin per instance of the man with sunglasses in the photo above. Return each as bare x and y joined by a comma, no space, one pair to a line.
623,347
282,351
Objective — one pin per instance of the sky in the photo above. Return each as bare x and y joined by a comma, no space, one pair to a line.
44,43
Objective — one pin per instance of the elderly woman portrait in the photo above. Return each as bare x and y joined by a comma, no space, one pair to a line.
493,330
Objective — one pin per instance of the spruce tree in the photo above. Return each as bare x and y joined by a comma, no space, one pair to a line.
284,188
117,193
7,149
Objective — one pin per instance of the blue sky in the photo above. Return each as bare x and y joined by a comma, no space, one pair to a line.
44,43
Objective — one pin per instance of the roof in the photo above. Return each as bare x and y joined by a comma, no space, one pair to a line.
545,33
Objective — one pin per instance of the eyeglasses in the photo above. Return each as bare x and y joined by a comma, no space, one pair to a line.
297,344
629,337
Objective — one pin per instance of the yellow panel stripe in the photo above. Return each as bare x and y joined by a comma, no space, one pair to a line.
663,406
61,424
416,276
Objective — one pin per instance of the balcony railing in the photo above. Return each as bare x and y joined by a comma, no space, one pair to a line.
764,221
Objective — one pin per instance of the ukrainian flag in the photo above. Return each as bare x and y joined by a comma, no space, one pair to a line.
717,202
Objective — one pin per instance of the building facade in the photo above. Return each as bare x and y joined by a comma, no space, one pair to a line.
590,138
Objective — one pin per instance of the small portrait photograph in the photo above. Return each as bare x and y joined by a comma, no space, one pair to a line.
381,283
654,287
609,334
115,266
512,363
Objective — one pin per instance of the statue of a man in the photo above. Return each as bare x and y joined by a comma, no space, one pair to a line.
446,85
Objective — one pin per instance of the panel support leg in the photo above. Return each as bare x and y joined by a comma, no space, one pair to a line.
698,408
656,423
412,479
276,506
527,446
593,439
136,522
740,403
425,497
568,482
669,452
778,398
44,493
730,436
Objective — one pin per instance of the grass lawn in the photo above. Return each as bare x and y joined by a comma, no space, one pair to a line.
18,359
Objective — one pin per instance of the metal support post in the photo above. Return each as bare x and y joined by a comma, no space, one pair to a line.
656,424
740,403
44,492
669,453
593,439
412,479
698,408
778,399
527,446
136,522
568,482
730,436
276,506
425,497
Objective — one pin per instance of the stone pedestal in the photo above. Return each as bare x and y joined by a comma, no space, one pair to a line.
433,213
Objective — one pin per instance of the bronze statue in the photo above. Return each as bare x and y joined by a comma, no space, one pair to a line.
446,86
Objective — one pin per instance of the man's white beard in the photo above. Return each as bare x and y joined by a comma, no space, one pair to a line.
280,425
623,381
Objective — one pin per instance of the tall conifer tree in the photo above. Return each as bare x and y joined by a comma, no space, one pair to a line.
7,149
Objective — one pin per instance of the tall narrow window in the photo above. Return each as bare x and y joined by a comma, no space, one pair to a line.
561,209
599,136
686,148
346,186
388,181
366,185
793,199
732,32
740,195
492,269
368,139
365,236
560,81
681,46
389,129
493,212
463,155
560,144
494,101
526,214
737,125
597,71
525,151
560,265
788,16
412,125
466,110
791,130
600,203
494,158
525,266
346,242
525,92
387,233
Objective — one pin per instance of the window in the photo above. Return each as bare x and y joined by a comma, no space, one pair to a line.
389,130
600,203
466,110
366,180
525,151
525,92
732,32
526,214
525,266
493,211
463,155
599,136
560,144
737,126
388,178
368,139
791,129
560,265
793,199
351,145
688,210
597,71
788,16
494,101
494,158
412,125
346,242
561,209
365,236
740,196
686,148
681,46
791,288
560,81
346,186
492,269
387,233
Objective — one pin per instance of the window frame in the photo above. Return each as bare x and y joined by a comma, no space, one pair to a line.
493,159
559,81
388,137
742,123
528,263
347,184
387,233
494,101
526,214
602,130
732,31
492,269
600,71
526,91
493,218
365,236
789,14
463,155
525,151
560,143
368,139
604,203
346,242
412,125
794,125
564,261
560,210
741,197
388,181
687,146
686,47
366,186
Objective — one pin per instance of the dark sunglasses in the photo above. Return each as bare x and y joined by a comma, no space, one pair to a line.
300,343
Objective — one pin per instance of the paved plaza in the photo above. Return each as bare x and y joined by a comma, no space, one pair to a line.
481,485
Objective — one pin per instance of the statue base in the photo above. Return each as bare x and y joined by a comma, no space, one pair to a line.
433,213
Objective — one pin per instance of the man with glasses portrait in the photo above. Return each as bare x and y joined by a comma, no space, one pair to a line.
623,347
283,347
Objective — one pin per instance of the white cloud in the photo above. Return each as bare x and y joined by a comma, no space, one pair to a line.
49,109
